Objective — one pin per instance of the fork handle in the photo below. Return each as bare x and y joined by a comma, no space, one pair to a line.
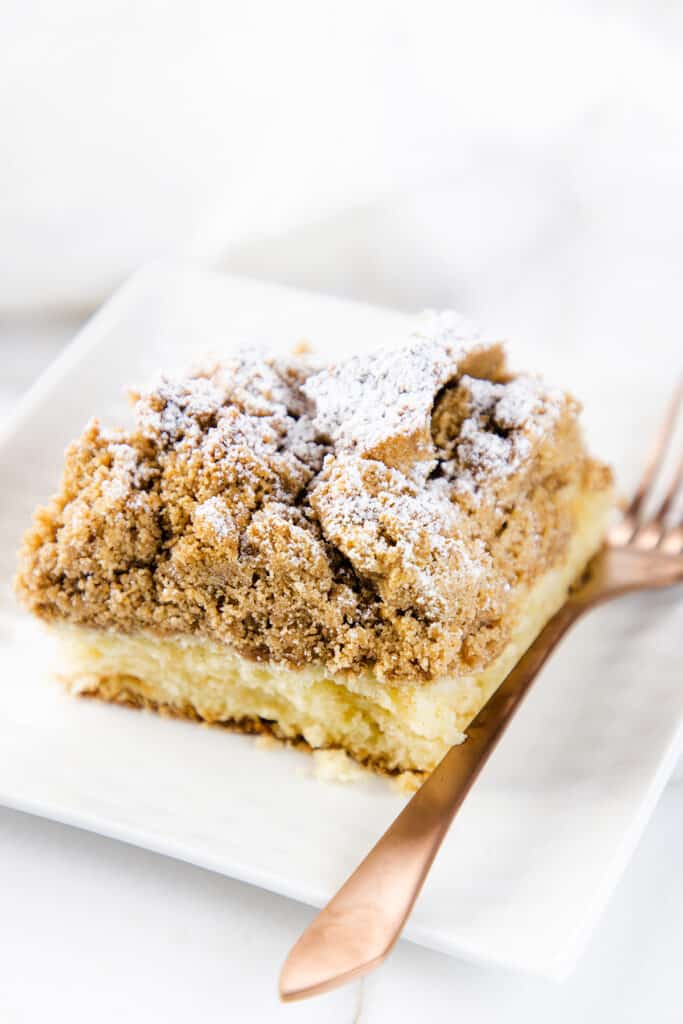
359,926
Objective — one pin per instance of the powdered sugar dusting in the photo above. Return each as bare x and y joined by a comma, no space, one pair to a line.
496,437
405,537
386,395
178,407
520,399
248,413
122,478
212,513
353,444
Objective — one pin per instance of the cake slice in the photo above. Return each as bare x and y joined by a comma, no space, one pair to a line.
352,557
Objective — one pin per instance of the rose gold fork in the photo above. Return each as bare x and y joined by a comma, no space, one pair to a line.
357,929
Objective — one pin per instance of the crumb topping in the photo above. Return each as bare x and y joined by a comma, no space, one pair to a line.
383,512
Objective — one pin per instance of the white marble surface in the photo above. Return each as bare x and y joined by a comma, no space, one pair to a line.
129,129
94,929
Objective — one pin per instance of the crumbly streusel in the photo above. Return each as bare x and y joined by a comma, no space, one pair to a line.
379,513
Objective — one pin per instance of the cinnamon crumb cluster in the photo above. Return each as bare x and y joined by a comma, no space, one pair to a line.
385,513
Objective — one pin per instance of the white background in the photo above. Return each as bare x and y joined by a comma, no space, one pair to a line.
522,162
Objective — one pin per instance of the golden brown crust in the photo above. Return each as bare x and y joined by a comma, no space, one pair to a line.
250,504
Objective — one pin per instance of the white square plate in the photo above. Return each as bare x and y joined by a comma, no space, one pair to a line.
548,829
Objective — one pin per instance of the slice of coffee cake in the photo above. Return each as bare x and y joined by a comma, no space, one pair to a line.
354,557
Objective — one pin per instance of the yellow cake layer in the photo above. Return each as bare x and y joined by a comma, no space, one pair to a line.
396,727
